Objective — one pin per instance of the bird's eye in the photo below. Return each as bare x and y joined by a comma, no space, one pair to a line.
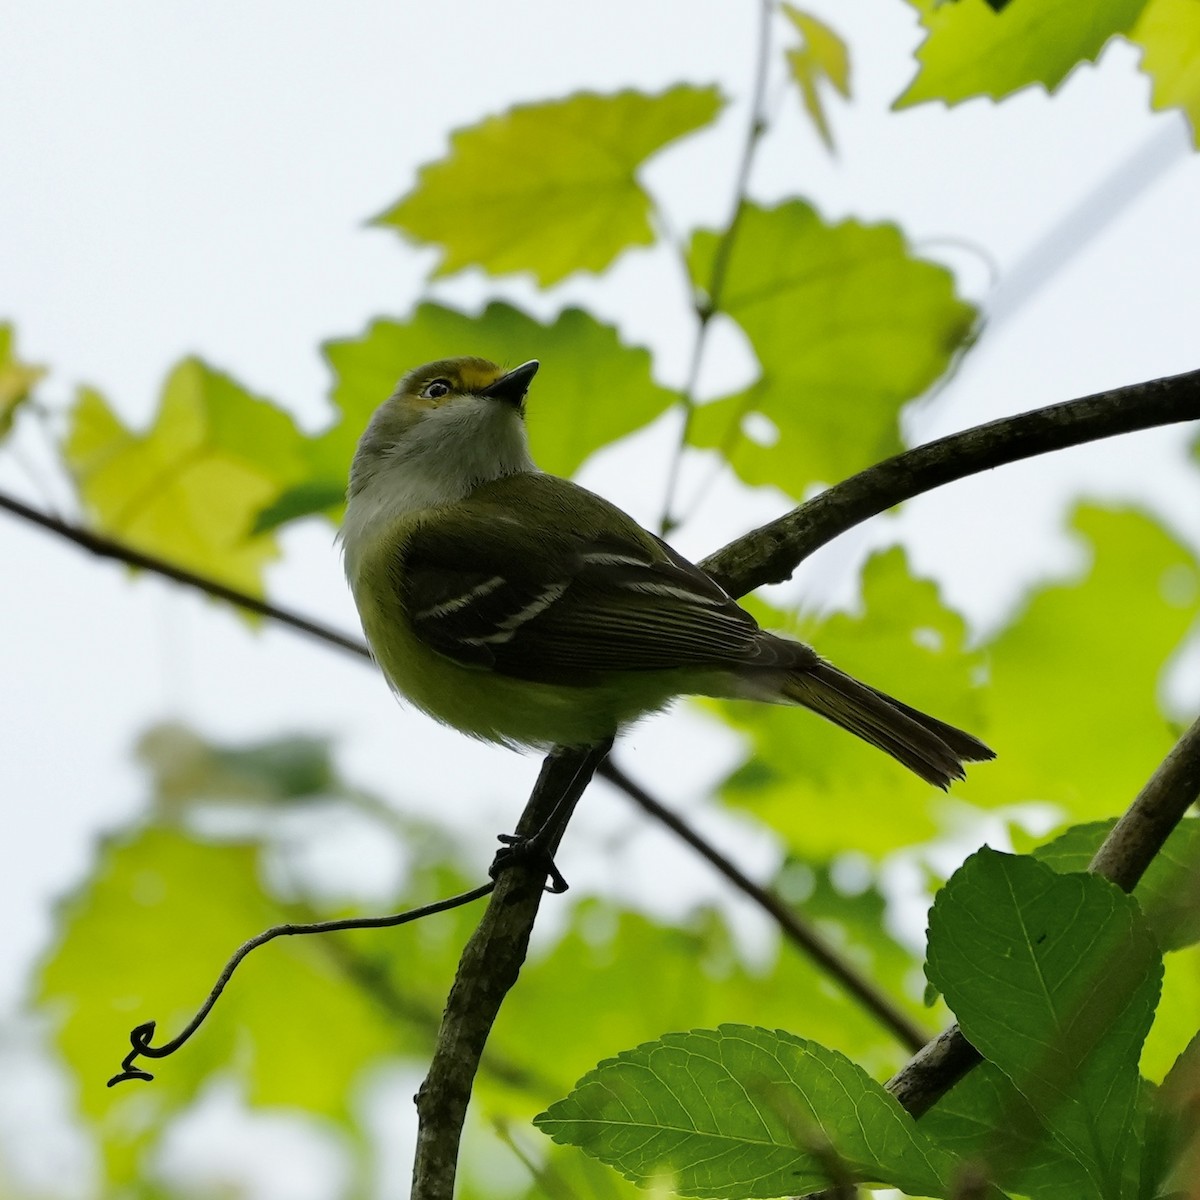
436,389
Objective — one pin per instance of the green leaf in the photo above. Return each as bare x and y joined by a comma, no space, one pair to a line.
591,390
847,326
1169,33
822,56
145,939
1074,680
188,768
1054,978
984,1120
1175,1019
17,378
549,188
190,488
1169,892
972,50
747,1112
905,641
1176,1126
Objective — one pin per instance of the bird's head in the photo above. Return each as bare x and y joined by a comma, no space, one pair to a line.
449,426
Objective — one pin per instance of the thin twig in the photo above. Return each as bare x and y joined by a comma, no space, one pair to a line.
140,1037
105,547
1123,858
794,928
707,308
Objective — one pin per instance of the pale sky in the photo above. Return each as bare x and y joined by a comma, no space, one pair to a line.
195,177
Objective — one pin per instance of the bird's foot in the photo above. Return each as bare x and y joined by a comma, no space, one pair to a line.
530,852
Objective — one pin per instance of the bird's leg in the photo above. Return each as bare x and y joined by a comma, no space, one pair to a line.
564,777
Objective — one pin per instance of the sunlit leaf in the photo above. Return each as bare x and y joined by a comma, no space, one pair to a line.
591,389
17,378
1074,681
744,1111
1175,1019
1169,33
549,188
1054,978
847,326
190,488
821,789
821,57
972,50
1169,892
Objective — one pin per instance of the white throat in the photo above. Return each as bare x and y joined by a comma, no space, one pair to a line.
439,459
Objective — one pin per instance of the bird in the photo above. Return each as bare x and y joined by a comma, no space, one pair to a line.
522,609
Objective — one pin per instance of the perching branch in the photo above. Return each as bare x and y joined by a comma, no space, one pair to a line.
1123,858
794,928
772,552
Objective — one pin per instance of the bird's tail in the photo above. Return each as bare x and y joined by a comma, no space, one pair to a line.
930,748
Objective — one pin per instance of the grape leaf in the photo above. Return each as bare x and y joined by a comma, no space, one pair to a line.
591,389
747,1112
1054,978
191,487
821,56
972,50
1169,33
847,326
549,188
17,378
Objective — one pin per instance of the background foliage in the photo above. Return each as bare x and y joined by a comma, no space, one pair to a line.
631,1026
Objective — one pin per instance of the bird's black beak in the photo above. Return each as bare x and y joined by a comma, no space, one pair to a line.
511,388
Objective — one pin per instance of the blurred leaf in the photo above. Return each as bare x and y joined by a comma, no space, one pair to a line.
1074,680
590,391
17,378
190,488
848,327
549,188
821,56
1054,978
186,767
1175,1019
742,1111
147,937
1169,33
304,500
1169,892
821,789
971,50
558,1173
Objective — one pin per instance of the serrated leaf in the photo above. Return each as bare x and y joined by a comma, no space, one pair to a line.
1054,978
17,378
549,188
191,487
818,787
1074,710
1169,33
591,390
1169,892
743,1111
1177,1129
847,326
970,49
821,57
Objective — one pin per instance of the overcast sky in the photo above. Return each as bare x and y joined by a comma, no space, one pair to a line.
195,177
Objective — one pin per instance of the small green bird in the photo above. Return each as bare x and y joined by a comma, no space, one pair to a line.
521,608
